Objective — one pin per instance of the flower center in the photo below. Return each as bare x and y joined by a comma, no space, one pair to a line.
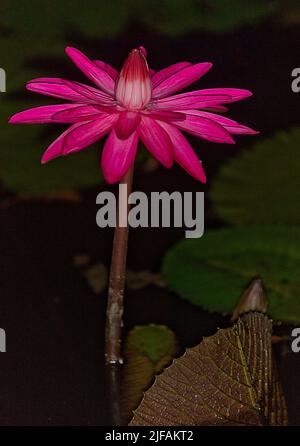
133,87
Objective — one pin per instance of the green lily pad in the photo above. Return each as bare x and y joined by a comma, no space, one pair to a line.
148,349
262,185
22,172
214,270
153,341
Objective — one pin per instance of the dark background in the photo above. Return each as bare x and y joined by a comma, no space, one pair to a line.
53,371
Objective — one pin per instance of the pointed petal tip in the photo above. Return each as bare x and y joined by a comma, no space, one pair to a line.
203,179
200,174
169,164
71,52
244,94
70,49
13,119
44,160
206,66
18,118
110,179
143,50
249,131
32,86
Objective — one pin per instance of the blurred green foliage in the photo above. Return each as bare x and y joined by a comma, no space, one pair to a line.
214,270
22,172
176,18
108,19
262,185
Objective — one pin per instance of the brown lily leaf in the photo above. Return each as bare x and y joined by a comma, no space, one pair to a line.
227,379
278,410
97,277
252,299
137,280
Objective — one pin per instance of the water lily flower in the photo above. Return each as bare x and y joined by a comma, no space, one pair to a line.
136,103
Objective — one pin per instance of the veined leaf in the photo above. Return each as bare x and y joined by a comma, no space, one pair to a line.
148,349
213,271
226,380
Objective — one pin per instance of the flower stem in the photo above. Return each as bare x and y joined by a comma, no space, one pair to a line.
114,310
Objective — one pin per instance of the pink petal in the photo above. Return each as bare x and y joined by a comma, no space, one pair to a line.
88,133
72,91
164,115
56,148
156,140
192,99
163,74
77,137
234,94
217,109
229,124
99,76
127,124
77,114
143,50
90,93
152,72
108,68
205,128
184,153
54,87
39,115
180,79
118,156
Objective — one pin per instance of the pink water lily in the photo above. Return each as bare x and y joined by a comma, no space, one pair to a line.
136,103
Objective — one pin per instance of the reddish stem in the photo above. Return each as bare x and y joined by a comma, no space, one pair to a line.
114,312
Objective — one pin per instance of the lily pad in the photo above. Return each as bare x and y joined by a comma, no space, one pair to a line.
148,349
213,271
22,172
156,342
263,184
